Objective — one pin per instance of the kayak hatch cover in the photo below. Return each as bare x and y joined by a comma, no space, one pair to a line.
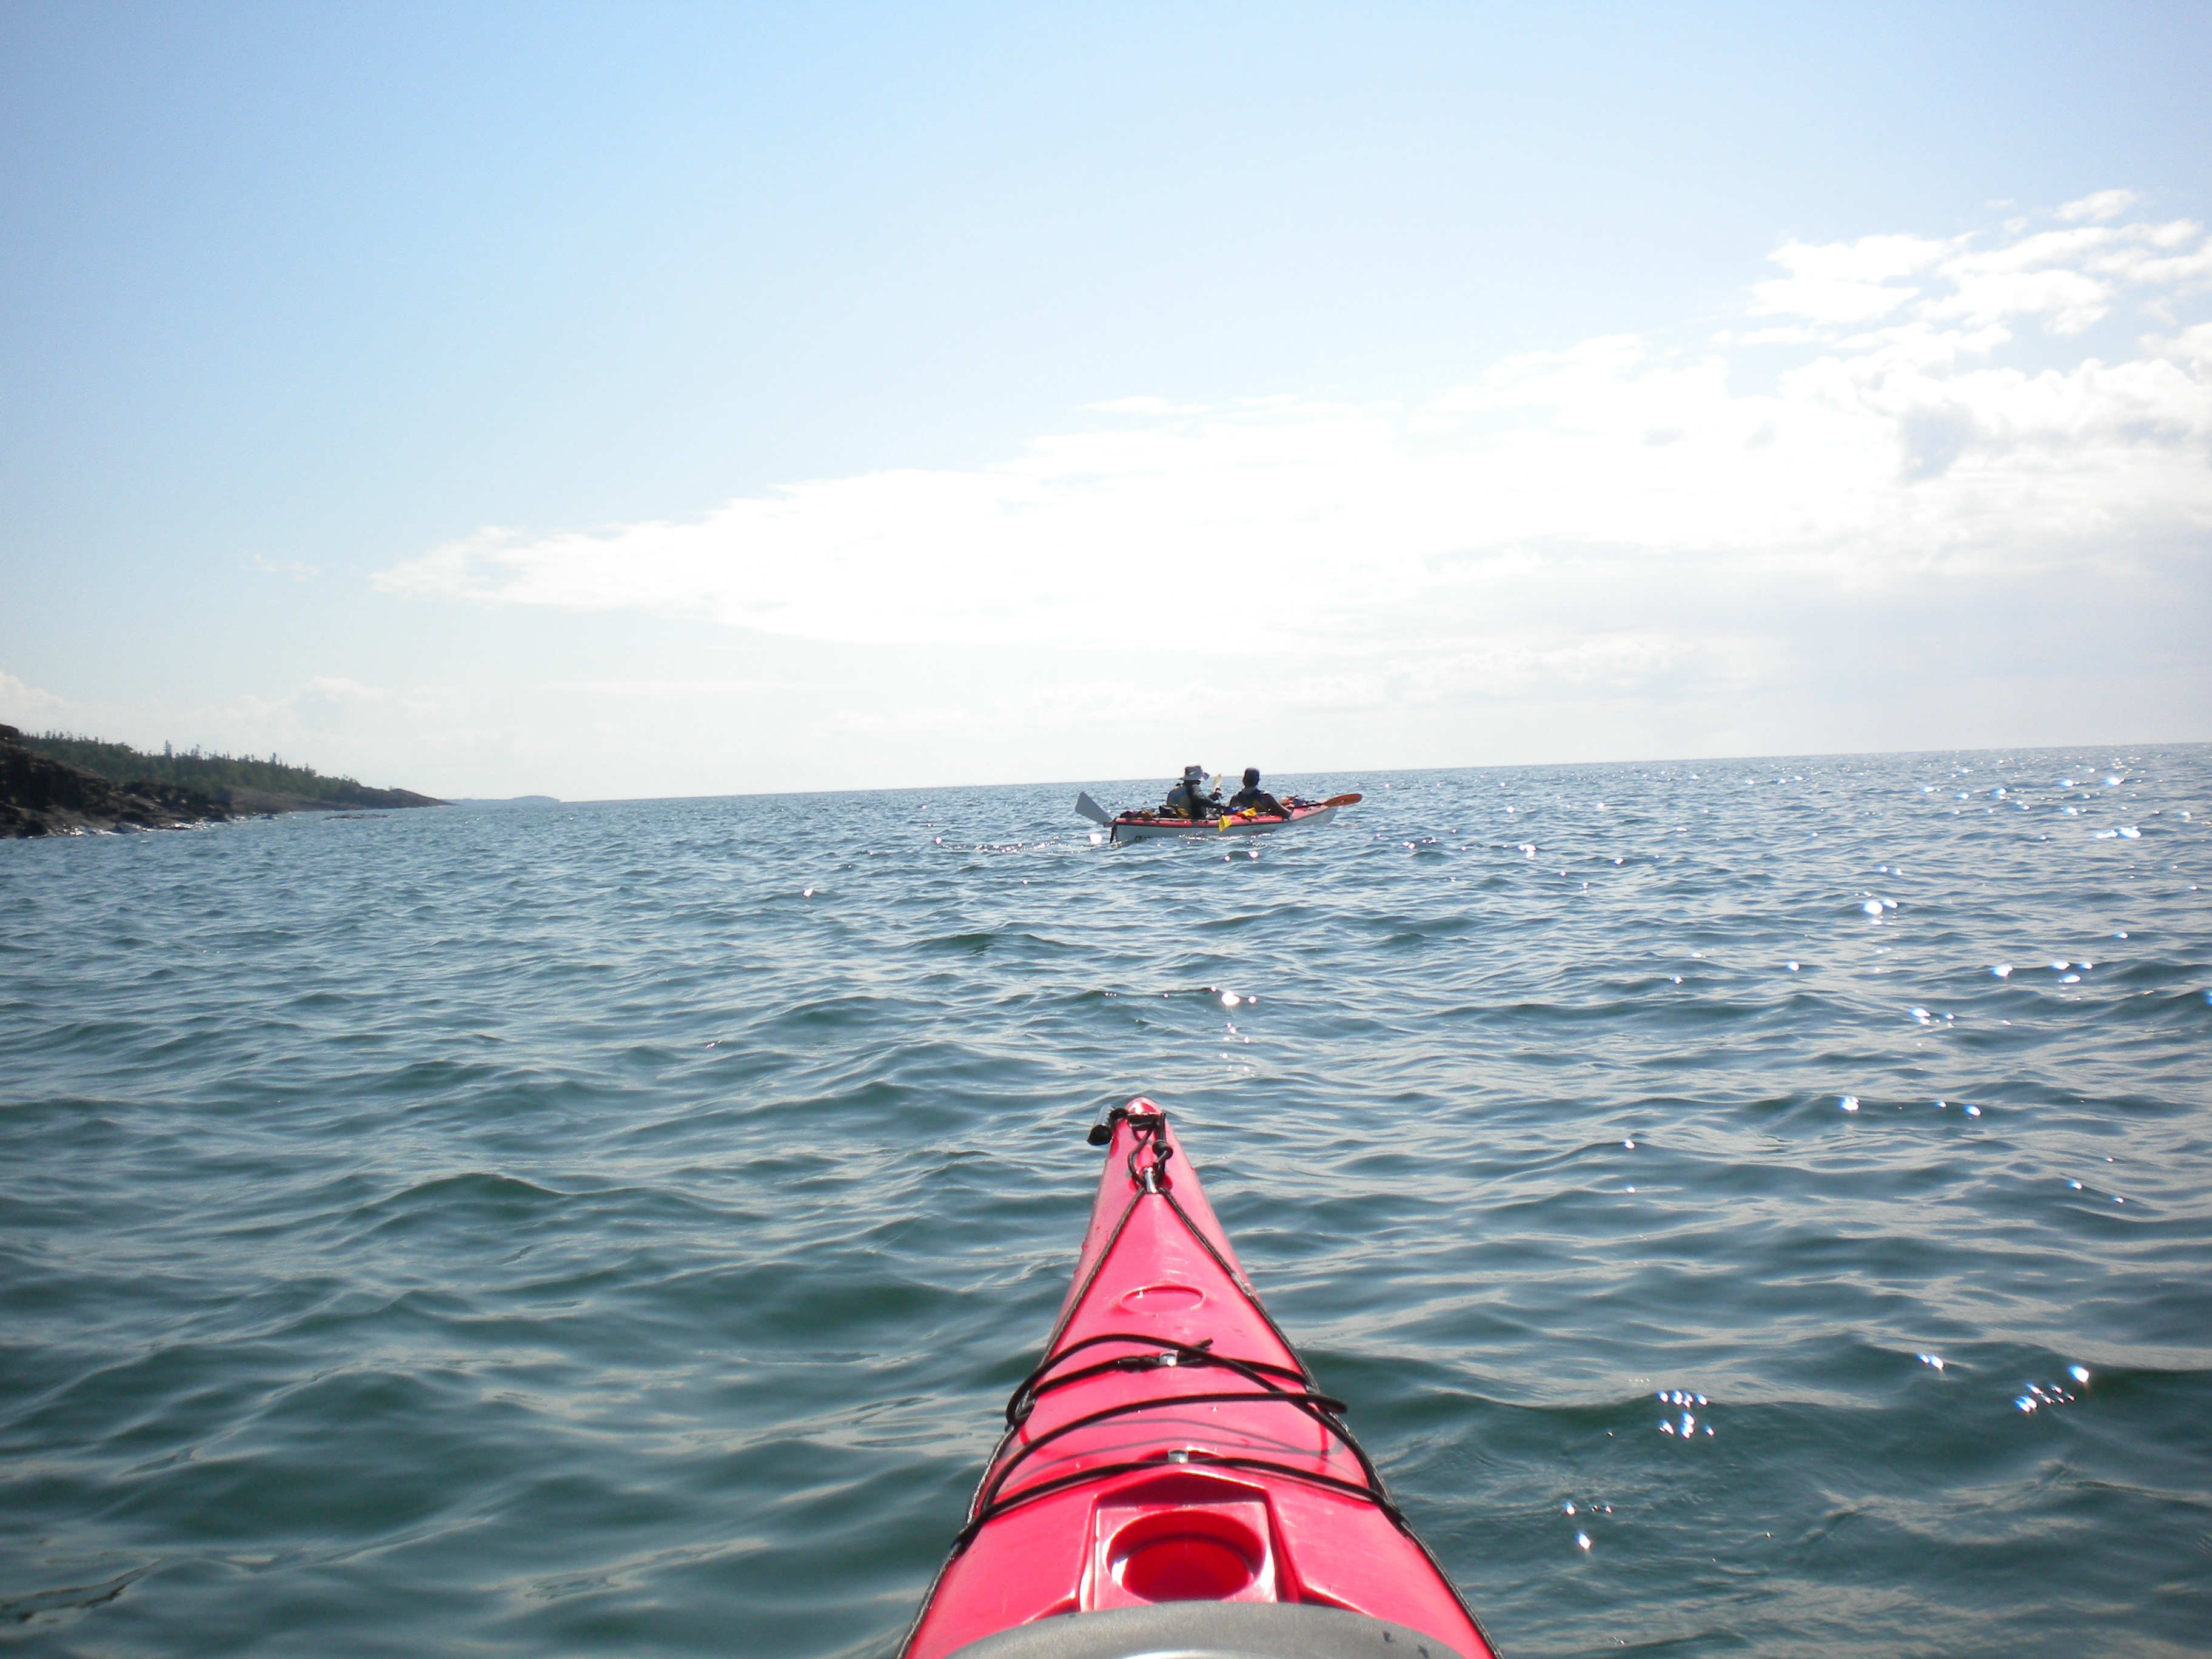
1171,1478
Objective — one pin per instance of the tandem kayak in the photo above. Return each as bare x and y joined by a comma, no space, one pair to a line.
1149,826
1172,1480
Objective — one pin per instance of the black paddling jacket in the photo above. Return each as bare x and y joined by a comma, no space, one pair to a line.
1256,797
1186,800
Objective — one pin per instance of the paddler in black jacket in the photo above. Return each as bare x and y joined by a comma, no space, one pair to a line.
1253,798
1189,799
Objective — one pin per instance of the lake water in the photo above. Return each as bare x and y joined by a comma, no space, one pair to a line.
613,1229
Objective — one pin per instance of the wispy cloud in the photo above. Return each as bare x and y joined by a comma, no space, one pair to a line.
1590,518
1146,406
1845,281
2103,204
29,707
293,568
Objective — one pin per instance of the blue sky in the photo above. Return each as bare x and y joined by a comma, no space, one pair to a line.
653,399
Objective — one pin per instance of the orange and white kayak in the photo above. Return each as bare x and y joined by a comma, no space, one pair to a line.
1172,1479
1149,826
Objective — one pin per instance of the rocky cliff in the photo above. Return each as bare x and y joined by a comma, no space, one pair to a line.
42,796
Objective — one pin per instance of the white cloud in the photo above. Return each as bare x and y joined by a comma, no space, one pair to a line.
2103,204
1146,406
29,707
1845,281
1614,519
2045,275
292,567
2191,346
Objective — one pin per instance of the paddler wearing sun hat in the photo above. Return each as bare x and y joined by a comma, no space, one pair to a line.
1189,799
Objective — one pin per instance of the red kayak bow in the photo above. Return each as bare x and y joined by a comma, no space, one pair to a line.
1171,1478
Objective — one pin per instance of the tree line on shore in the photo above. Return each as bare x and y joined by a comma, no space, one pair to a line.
192,769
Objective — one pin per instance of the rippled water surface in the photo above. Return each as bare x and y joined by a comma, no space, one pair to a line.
612,1229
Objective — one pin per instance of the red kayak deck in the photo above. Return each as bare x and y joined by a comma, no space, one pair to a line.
1173,1448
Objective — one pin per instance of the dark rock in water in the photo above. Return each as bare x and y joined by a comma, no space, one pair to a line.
239,799
358,795
42,796
265,802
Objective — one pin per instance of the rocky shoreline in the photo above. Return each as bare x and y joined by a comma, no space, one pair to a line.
42,796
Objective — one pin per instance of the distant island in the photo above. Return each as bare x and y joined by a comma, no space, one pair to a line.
59,783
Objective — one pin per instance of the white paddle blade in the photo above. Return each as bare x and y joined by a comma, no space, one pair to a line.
1091,810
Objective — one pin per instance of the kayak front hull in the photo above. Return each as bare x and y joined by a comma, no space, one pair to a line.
1172,1448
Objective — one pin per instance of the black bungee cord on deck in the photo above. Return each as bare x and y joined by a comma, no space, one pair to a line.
1152,1181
